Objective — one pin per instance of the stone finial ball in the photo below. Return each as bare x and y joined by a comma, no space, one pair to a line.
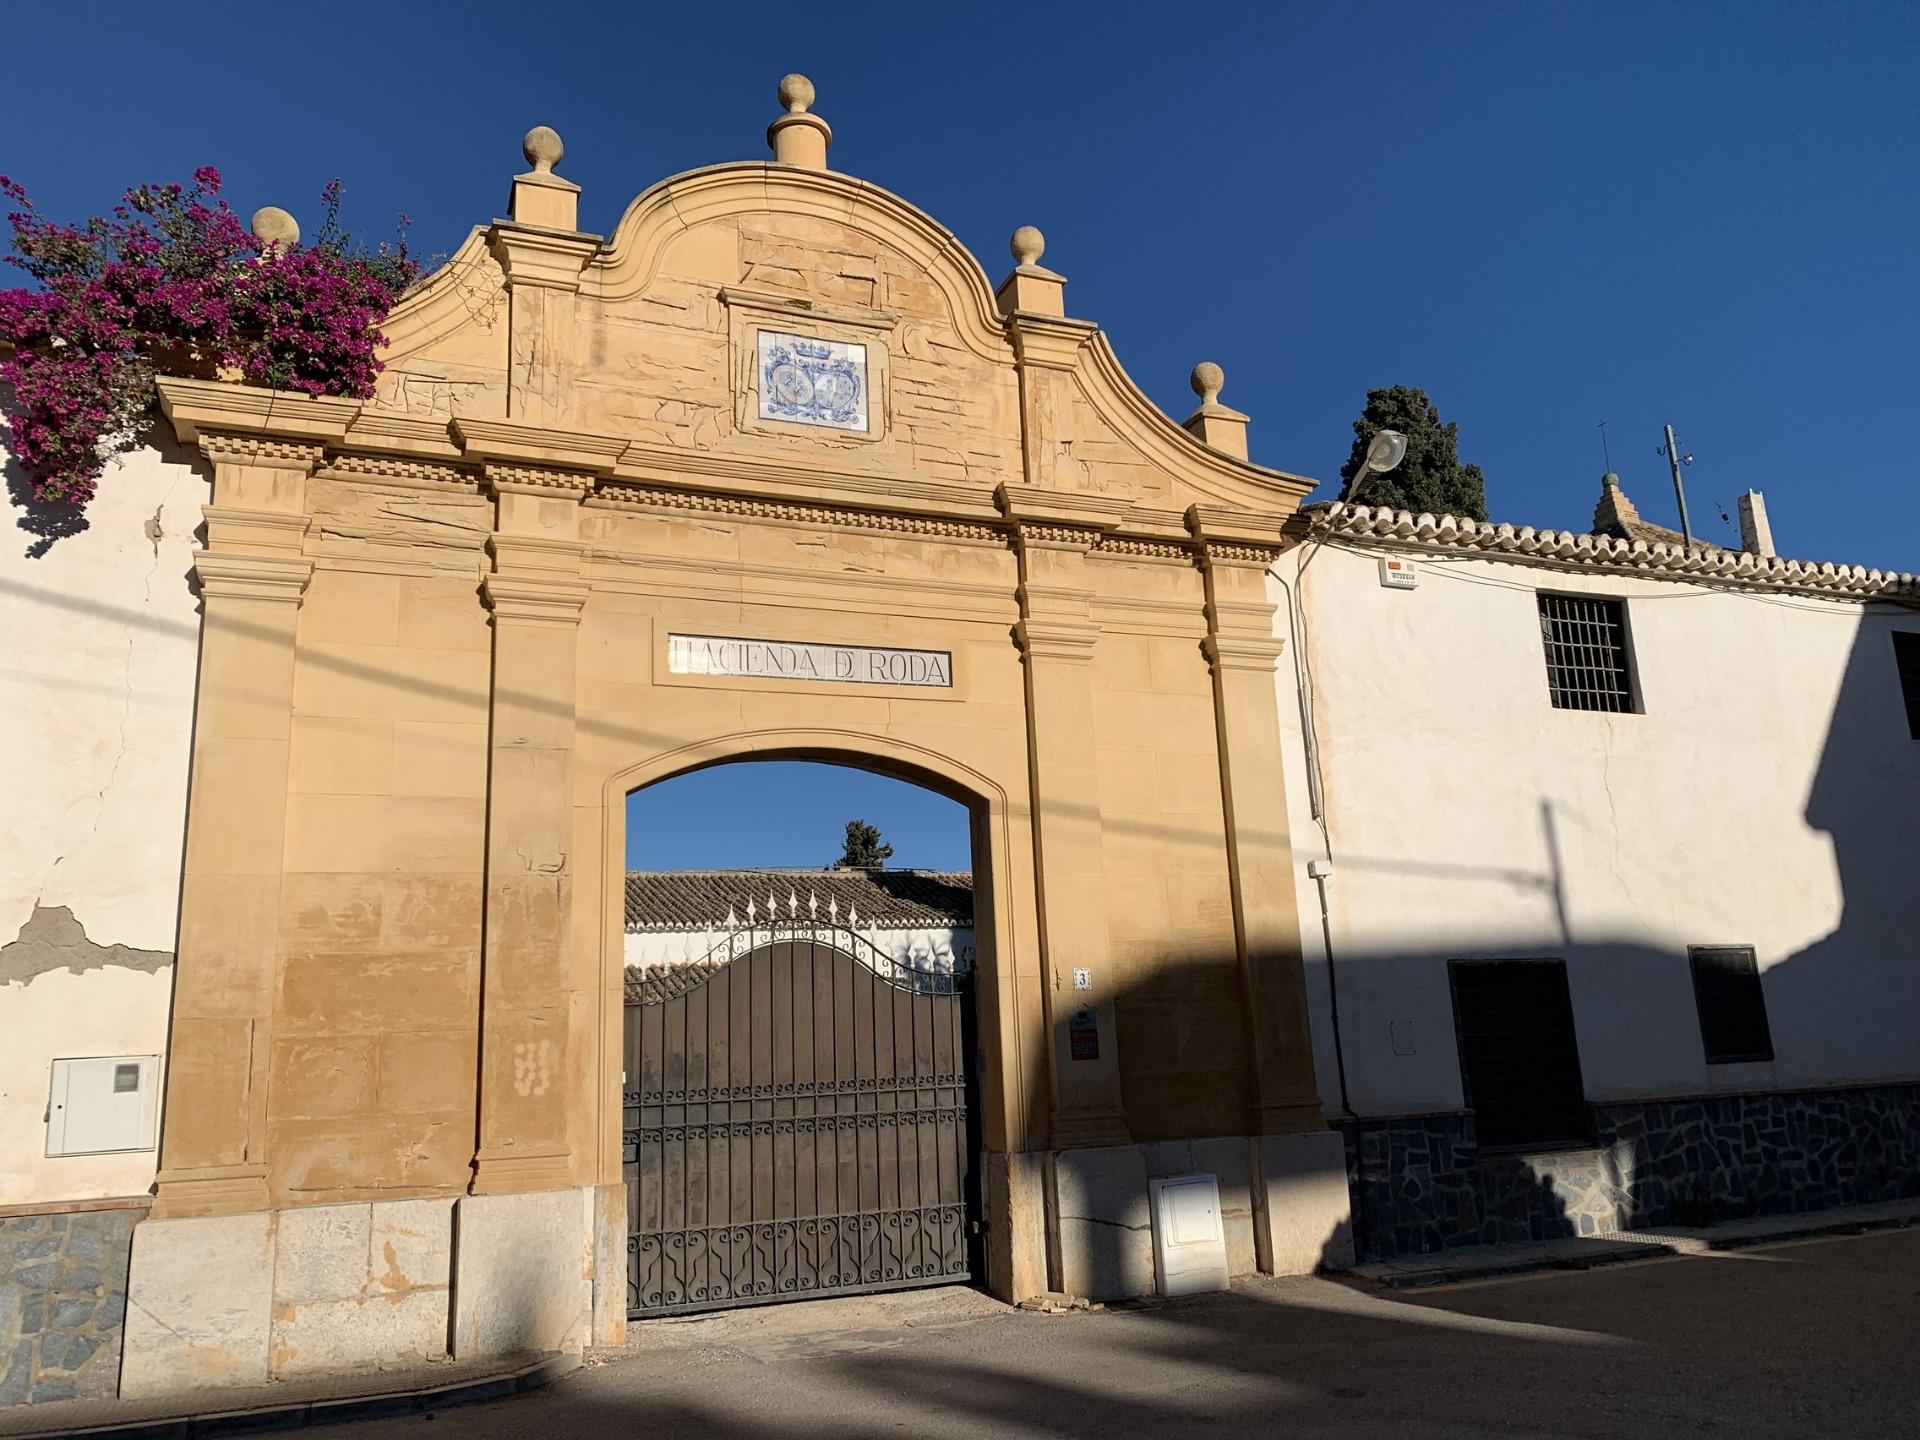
542,148
273,226
796,94
1028,245
1208,381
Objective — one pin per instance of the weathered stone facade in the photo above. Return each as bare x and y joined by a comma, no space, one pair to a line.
1420,1184
437,654
63,1300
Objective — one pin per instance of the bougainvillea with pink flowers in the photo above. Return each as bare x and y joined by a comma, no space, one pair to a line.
171,283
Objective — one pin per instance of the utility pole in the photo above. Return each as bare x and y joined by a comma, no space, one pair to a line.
1679,490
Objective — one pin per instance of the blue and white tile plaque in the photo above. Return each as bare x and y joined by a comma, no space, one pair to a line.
804,381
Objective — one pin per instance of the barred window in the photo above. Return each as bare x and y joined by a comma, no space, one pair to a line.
1733,1009
1906,658
1586,644
1518,1058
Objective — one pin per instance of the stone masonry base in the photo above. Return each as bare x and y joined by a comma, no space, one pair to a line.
63,1293
233,1300
1283,1207
1420,1184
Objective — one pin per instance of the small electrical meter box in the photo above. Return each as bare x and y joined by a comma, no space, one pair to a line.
1189,1242
1398,574
102,1104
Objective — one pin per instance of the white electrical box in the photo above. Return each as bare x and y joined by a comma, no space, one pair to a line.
1189,1242
1398,574
102,1104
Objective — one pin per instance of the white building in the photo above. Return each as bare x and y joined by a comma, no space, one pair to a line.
96,720
1675,797
919,922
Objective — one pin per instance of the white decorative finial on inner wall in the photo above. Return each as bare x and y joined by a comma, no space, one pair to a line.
274,228
799,137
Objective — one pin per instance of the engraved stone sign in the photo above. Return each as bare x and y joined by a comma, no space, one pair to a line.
812,382
805,660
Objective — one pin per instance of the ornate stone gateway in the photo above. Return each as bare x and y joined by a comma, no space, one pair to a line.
582,540
795,1124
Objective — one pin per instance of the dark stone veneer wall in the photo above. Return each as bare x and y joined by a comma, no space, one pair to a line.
1420,1184
63,1299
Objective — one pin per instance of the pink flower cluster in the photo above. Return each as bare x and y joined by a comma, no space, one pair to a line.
172,283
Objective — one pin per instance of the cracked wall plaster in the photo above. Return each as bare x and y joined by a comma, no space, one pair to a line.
52,939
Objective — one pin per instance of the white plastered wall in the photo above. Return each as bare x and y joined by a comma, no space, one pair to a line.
1765,797
924,947
96,711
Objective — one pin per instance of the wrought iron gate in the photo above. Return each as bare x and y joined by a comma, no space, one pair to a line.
795,1124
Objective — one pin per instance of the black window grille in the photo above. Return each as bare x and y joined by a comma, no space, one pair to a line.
1586,644
1906,655
1733,1009
1517,1052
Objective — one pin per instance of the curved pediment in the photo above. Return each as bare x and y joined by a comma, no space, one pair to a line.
662,334
633,257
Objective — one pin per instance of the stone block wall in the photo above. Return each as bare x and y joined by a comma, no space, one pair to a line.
63,1301
1703,1160
1421,1184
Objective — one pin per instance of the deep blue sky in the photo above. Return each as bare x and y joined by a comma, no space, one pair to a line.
788,814
1547,215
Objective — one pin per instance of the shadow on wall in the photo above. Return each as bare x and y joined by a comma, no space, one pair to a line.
47,522
1843,1009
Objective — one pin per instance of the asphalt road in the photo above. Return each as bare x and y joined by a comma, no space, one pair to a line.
1816,1339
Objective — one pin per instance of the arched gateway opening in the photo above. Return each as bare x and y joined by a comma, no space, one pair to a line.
800,1042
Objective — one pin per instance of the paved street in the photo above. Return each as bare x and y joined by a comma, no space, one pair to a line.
1816,1338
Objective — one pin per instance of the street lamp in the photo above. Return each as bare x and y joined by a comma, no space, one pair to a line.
1386,450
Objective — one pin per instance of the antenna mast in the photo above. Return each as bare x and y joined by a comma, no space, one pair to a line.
1672,453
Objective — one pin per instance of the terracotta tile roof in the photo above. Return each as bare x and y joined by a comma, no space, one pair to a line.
662,983
1367,526
680,899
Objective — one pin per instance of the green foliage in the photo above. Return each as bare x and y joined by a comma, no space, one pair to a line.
863,850
1431,479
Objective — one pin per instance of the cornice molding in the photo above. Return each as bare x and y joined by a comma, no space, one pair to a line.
1131,547
279,578
535,599
1243,652
620,496
511,444
537,256
1036,507
247,410
1602,554
390,470
226,449
1056,639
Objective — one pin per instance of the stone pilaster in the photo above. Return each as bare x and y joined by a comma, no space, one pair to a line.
1054,533
543,268
1236,549
536,590
251,576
